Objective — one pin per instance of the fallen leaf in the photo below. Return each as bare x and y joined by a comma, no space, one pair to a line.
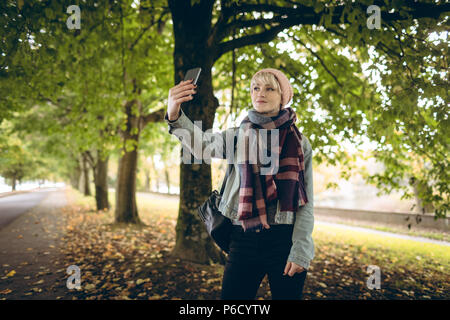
11,273
89,286
6,291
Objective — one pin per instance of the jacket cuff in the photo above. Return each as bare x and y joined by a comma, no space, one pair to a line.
181,122
301,261
166,117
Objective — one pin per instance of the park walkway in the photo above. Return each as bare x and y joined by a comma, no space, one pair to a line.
30,257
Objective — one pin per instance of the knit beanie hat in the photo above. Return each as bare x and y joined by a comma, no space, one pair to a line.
287,92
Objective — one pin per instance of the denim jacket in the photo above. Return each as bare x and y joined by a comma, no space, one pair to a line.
302,250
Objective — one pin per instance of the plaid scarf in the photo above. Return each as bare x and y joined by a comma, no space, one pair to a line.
287,185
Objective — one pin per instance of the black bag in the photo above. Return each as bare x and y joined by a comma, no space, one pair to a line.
217,225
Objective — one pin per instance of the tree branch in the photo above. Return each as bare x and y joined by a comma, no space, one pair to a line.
156,116
158,22
241,24
90,159
416,10
318,58
264,36
303,15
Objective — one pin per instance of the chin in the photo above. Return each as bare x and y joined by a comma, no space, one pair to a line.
262,110
266,111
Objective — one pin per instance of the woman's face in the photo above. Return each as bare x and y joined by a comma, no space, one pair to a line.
266,99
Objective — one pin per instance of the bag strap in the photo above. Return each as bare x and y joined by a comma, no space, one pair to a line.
226,178
229,168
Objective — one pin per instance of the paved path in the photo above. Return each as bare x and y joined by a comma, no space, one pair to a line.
12,206
30,257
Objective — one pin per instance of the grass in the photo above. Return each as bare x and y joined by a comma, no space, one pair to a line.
442,236
151,206
376,248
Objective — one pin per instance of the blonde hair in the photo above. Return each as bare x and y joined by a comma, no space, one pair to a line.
265,78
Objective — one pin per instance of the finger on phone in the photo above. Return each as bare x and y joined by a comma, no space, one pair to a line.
187,98
183,93
184,83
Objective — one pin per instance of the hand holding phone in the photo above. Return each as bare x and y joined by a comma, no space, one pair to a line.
182,92
193,74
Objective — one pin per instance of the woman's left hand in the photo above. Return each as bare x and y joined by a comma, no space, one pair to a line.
292,268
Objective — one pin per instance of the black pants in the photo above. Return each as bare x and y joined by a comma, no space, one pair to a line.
253,255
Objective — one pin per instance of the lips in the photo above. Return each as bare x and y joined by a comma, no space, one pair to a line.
261,101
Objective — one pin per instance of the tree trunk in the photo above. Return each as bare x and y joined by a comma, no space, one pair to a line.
86,186
76,176
156,174
13,184
166,173
100,180
126,208
192,50
81,179
147,180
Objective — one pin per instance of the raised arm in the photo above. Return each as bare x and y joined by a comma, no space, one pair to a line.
201,144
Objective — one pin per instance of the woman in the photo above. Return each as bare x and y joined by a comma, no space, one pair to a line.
272,214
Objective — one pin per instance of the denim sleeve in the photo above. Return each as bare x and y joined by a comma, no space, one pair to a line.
201,144
302,250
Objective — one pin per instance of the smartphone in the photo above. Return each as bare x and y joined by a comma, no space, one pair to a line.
193,74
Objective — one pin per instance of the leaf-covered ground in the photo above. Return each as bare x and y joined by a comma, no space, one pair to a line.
123,262
127,262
